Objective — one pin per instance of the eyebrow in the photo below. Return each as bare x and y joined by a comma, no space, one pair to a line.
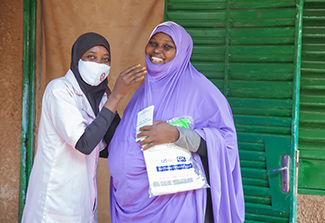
107,54
165,39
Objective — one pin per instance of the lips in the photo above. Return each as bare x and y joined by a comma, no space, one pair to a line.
156,60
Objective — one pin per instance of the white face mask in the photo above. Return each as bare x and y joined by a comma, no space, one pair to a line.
93,73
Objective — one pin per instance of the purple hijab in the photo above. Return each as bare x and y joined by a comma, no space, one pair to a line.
176,89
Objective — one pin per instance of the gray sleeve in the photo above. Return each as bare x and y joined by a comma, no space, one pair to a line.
188,139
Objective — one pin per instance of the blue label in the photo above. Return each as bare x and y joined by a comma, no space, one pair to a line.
181,159
183,166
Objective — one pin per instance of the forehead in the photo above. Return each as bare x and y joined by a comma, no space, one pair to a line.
98,49
162,37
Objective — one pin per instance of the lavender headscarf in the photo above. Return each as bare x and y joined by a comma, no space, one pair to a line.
176,89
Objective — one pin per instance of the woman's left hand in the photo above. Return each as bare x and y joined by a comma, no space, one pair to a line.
158,133
124,82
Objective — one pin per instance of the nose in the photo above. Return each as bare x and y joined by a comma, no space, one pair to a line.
157,49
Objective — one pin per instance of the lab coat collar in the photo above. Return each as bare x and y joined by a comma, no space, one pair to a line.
77,90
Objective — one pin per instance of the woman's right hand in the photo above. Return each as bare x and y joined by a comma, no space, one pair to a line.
159,133
124,82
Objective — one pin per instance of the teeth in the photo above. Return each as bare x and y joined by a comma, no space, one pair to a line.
156,60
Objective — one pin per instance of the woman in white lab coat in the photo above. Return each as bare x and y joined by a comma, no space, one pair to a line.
77,122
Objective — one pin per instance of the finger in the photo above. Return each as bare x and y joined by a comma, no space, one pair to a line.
145,141
136,80
137,71
142,134
157,122
148,146
145,128
126,71
145,148
136,77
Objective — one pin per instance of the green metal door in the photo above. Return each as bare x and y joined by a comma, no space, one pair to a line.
312,106
250,50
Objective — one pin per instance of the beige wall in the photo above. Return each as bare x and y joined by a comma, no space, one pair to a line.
127,25
310,208
11,54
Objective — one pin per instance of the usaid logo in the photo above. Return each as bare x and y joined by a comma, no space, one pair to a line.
181,159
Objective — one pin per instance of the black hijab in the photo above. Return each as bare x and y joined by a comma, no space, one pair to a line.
85,42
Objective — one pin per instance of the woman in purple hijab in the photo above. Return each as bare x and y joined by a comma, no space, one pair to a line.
176,89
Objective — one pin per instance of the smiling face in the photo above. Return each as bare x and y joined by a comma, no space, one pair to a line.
160,49
98,54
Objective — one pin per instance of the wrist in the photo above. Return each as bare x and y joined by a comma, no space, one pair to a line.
114,96
177,134
112,102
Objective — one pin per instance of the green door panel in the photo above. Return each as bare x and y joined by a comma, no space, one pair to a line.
251,51
312,100
309,174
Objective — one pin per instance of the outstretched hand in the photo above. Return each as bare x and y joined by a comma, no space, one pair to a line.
124,82
158,133
127,79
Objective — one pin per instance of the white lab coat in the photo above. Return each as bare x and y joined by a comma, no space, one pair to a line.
62,185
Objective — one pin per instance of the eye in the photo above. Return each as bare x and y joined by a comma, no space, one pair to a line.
91,57
168,46
152,43
106,60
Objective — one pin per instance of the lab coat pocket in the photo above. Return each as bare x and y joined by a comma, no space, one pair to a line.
52,218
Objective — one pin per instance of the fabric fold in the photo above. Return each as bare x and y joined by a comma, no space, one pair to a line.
176,91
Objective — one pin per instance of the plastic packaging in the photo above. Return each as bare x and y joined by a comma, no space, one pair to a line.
173,169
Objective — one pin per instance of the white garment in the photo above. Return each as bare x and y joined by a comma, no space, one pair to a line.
62,185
